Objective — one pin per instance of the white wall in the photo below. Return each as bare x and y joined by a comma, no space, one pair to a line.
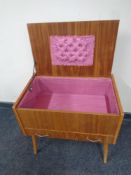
15,53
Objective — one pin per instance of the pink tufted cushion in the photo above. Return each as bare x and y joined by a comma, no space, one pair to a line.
72,50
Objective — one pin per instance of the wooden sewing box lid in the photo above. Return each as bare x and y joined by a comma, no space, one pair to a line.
105,33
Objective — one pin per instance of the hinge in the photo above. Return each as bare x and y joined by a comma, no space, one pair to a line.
34,72
34,68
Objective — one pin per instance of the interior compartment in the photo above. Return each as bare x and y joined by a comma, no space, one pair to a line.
71,94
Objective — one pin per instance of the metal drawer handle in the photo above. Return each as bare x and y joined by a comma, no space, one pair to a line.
42,135
98,140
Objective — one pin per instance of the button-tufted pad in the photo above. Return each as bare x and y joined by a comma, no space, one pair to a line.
72,50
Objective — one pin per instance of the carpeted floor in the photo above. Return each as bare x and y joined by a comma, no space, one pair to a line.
59,157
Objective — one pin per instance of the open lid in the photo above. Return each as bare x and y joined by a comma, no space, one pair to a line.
104,32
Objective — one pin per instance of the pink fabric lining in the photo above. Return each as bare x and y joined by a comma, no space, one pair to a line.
71,94
72,50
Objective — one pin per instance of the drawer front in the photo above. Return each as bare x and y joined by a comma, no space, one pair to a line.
71,135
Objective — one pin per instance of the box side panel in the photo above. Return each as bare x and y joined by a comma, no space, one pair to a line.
120,108
117,96
17,103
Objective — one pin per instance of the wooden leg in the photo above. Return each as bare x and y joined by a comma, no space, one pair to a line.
34,142
105,151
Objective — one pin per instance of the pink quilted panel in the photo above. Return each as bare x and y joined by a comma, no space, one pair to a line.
72,50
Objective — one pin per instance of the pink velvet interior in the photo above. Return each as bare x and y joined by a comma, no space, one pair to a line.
72,50
71,94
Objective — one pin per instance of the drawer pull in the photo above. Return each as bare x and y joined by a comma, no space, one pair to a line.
97,140
42,135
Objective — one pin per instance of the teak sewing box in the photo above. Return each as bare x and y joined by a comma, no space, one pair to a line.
77,102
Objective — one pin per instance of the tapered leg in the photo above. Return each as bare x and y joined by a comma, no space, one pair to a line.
34,142
105,151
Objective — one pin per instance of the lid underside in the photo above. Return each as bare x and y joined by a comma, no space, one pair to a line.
105,33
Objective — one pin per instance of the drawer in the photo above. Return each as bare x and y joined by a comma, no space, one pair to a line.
70,135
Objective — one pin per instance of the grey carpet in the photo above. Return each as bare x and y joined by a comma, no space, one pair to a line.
59,157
